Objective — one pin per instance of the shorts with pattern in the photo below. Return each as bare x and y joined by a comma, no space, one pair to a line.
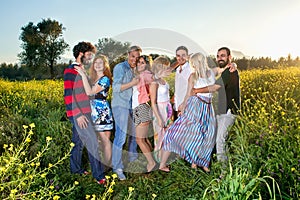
142,113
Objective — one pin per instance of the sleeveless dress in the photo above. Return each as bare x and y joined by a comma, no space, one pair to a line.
101,111
192,135
165,110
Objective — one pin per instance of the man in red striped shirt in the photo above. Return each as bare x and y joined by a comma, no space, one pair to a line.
78,111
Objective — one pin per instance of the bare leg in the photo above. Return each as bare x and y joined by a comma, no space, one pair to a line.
149,144
164,159
206,169
194,166
106,146
146,148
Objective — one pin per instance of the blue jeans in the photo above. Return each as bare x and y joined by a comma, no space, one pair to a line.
123,117
85,137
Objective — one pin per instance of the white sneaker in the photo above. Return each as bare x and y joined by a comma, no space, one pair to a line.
120,174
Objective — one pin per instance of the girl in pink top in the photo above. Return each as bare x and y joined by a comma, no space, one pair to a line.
142,111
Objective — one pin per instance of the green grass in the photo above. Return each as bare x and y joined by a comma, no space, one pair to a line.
264,157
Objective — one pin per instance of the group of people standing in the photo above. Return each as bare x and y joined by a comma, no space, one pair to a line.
140,96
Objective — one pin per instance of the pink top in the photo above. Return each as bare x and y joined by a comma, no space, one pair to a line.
143,86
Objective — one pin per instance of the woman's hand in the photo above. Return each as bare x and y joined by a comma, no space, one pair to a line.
232,67
160,123
80,71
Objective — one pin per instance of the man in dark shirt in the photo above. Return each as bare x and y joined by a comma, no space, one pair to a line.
228,101
228,87
78,111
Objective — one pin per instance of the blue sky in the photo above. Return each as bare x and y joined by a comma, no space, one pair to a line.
255,27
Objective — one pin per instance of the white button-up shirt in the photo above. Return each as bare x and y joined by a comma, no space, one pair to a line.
181,83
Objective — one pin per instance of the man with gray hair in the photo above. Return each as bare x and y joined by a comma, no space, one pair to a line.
122,110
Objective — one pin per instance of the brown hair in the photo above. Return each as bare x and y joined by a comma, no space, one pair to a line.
83,47
106,71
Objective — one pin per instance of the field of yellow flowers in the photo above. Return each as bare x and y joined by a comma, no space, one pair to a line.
264,146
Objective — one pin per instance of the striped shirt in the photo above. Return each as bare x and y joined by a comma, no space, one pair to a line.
76,100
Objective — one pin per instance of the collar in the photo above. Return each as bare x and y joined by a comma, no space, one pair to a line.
76,63
184,66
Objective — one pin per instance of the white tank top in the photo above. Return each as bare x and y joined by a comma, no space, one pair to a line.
204,82
135,97
163,94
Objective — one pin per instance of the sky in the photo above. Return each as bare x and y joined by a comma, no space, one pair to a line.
257,28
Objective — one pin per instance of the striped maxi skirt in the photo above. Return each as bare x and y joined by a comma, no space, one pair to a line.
193,135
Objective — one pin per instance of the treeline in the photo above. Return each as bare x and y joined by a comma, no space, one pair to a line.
266,62
23,72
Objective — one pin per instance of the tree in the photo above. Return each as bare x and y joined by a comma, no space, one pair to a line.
42,45
112,49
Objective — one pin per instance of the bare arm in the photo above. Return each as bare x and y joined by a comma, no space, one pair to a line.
87,87
153,96
174,65
91,90
188,93
132,83
208,89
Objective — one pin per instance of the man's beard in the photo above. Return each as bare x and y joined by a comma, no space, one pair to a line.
85,61
223,64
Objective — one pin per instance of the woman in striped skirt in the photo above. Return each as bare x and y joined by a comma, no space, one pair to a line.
192,135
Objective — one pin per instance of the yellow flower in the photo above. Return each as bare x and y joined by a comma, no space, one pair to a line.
110,190
11,147
154,195
25,126
72,144
43,175
50,165
114,176
51,187
20,171
76,182
33,194
107,177
130,189
5,146
32,125
27,140
13,191
37,164
87,196
48,138
56,197
293,169
113,183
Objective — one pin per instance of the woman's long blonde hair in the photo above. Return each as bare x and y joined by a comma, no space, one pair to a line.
198,62
106,71
160,63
